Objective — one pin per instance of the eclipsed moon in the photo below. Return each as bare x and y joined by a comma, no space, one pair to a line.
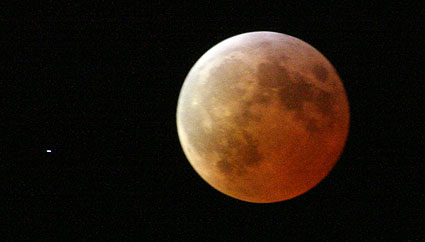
263,117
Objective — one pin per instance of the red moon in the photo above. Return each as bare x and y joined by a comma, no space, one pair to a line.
263,117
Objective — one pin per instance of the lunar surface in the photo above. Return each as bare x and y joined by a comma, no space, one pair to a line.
263,117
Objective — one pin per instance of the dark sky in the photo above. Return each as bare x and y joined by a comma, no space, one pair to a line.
98,84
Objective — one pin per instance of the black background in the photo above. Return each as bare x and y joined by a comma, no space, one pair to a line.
98,84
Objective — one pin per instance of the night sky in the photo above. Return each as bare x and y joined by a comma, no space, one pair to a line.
97,84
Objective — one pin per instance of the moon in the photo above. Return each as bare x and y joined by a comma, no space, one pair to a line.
262,117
